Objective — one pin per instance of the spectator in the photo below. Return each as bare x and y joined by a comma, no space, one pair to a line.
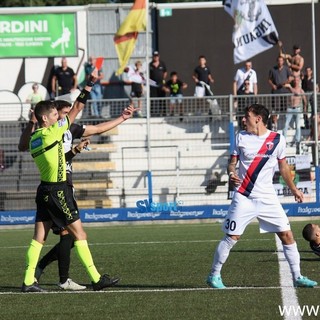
158,75
96,94
279,76
298,103
202,75
295,61
245,98
136,79
35,96
203,78
174,87
307,86
64,79
245,83
245,74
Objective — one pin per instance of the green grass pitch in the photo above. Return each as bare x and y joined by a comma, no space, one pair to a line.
163,268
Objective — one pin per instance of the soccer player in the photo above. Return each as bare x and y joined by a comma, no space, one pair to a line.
61,251
311,233
54,202
259,152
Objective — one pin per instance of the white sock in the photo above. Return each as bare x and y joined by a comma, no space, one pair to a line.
293,257
221,254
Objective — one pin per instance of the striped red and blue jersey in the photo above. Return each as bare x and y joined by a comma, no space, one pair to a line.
258,158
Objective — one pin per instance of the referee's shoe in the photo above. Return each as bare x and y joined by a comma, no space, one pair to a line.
32,288
104,282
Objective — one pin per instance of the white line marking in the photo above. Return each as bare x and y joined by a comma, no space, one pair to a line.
288,293
142,290
139,243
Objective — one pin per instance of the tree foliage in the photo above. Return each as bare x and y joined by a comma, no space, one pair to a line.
48,3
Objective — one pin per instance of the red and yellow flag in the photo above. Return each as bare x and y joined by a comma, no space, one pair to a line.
126,37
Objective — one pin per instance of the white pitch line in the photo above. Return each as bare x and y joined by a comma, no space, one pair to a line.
140,243
288,293
142,290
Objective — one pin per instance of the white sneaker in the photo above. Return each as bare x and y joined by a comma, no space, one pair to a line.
71,285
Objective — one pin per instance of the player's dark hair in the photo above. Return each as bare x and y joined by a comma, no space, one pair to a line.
43,108
173,73
307,232
60,104
259,110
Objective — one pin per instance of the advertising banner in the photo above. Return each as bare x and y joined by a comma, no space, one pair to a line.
38,35
134,214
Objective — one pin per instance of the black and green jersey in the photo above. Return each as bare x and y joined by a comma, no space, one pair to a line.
46,147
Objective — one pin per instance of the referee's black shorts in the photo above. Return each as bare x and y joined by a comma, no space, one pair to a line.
55,202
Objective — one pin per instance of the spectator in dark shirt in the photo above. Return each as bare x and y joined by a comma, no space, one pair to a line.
174,87
307,86
203,78
279,76
202,75
158,74
64,79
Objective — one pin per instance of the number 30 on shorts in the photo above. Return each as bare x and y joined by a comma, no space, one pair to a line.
230,225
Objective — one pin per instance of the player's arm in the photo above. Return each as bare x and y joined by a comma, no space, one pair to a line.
255,88
26,134
287,177
232,172
106,126
83,97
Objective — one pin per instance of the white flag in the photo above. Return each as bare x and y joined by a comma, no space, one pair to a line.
254,30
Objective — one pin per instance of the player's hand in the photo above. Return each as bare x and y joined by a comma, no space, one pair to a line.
83,144
32,116
128,112
234,179
298,195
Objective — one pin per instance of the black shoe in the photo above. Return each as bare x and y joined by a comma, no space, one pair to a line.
104,282
32,288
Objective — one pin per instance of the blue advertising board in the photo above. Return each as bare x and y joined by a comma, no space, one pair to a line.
134,214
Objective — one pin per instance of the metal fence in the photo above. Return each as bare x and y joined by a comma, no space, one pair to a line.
185,147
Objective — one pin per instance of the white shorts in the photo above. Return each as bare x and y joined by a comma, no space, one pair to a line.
243,210
199,91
